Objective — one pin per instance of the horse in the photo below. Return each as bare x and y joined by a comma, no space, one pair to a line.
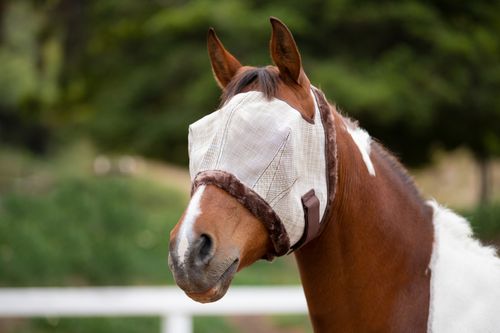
278,170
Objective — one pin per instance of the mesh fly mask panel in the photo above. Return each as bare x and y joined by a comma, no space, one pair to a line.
266,155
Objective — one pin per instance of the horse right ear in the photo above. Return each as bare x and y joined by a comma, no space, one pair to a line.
224,64
285,53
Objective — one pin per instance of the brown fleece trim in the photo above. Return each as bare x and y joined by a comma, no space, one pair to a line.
330,151
313,231
252,201
331,166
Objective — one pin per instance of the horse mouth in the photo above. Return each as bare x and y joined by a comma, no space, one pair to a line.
220,287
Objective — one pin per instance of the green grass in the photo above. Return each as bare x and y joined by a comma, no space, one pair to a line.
286,322
107,325
87,325
211,325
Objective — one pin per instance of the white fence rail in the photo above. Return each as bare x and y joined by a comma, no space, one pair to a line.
172,305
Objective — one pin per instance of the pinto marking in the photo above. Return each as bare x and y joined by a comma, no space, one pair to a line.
362,140
464,278
186,230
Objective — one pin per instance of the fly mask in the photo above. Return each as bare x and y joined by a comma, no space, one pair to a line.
281,167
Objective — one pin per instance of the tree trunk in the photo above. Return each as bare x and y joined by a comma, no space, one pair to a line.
485,179
2,19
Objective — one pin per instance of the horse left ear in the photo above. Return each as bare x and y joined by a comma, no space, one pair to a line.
285,53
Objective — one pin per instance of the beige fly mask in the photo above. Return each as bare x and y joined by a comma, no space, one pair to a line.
272,160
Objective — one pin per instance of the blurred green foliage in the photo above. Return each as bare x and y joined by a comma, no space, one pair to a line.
114,231
87,232
133,74
485,221
60,225
115,228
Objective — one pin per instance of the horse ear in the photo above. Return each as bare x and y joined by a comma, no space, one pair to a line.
285,53
224,64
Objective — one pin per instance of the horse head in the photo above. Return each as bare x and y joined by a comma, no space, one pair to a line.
231,220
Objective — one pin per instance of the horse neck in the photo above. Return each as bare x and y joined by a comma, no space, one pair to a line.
368,270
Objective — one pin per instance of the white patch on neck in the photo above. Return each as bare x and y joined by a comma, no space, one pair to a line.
362,139
186,230
465,278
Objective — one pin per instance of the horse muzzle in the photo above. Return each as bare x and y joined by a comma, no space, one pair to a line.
202,273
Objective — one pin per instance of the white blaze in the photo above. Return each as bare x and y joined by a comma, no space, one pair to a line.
186,230
362,139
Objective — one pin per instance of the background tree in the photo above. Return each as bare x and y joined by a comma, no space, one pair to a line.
132,75
28,76
417,74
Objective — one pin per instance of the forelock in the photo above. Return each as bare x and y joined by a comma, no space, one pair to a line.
263,79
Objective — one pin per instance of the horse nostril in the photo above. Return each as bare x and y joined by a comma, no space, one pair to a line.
205,248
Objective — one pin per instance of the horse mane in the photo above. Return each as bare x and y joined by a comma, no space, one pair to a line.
263,79
389,157
397,167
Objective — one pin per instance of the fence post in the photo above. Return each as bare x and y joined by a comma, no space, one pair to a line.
176,323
